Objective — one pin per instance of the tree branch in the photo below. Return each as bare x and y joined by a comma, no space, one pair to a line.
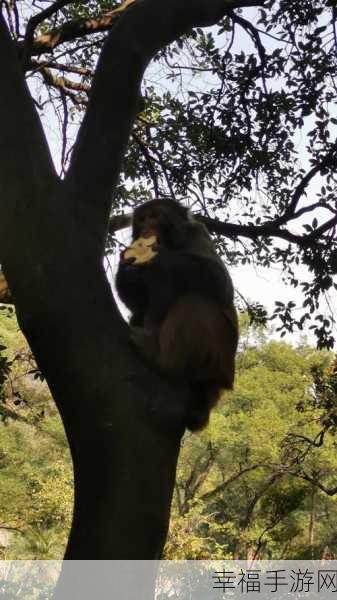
234,230
36,65
133,42
254,34
198,474
253,232
148,159
26,163
34,22
329,491
79,28
302,186
63,83
317,233
317,442
231,479
72,30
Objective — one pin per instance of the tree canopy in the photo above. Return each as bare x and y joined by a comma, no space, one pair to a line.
240,492
238,121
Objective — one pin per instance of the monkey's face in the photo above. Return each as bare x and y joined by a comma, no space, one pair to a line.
157,218
148,222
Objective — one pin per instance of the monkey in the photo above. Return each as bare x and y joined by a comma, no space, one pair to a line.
181,299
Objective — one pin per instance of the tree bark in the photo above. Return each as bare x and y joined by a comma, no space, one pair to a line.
312,520
123,422
5,295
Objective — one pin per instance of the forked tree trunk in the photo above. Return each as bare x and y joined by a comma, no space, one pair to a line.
123,423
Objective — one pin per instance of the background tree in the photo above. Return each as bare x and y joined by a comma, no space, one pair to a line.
36,492
241,492
235,497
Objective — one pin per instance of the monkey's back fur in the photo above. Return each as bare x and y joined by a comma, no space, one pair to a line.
196,318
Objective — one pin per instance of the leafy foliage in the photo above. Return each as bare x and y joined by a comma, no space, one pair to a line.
241,490
253,483
237,120
36,471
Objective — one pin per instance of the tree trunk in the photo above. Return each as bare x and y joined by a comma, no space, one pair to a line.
312,520
123,422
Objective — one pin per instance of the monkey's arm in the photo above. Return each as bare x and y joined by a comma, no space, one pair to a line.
188,258
173,274
200,245
132,290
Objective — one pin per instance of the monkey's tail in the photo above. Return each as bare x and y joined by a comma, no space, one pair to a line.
203,396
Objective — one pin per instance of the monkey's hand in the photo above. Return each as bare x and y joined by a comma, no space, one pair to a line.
141,251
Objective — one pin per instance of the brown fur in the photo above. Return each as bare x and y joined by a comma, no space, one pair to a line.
191,341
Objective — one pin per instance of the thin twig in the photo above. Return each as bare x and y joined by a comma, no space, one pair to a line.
148,159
